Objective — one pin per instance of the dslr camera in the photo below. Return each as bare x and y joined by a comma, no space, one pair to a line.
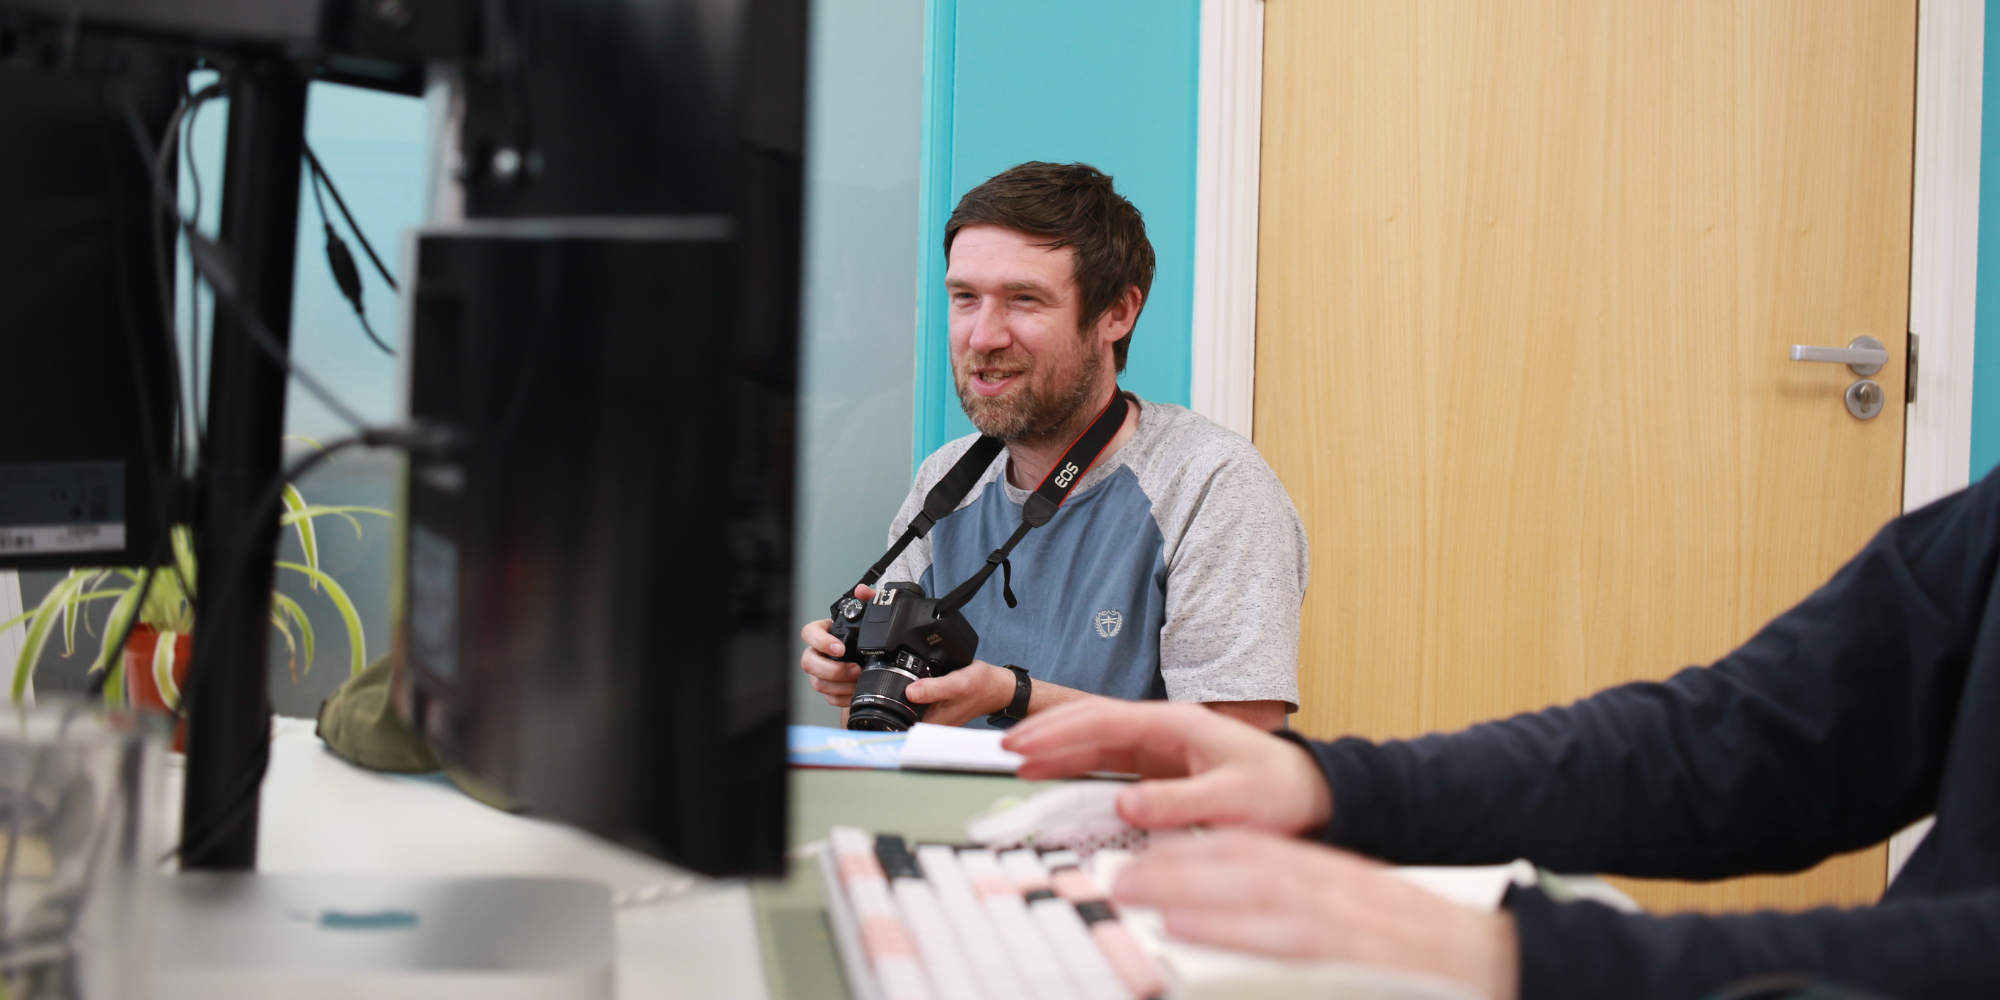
898,638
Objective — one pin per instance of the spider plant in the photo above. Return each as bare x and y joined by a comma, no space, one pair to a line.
169,606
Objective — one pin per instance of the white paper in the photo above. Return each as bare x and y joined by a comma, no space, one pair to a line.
950,748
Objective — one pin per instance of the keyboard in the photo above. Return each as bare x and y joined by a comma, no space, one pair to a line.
949,922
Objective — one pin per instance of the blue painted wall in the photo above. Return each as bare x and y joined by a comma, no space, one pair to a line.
1986,346
1112,83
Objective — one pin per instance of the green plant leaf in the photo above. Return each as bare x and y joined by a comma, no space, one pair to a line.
322,510
291,646
114,625
84,593
43,623
357,645
308,534
68,612
167,606
114,686
18,619
32,613
184,563
165,651
291,609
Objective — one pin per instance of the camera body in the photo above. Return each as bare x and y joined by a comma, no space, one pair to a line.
898,638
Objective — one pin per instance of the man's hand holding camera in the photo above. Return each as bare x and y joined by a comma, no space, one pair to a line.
954,699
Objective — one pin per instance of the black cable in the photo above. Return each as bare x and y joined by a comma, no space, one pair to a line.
312,161
341,262
163,249
195,366
369,329
212,261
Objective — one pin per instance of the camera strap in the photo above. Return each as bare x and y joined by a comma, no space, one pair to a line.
941,500
1042,504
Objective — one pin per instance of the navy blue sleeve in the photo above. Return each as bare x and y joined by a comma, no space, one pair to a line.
1825,733
1935,949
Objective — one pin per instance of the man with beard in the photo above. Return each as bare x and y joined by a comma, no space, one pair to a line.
1175,567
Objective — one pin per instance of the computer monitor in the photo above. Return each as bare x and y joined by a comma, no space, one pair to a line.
596,574
593,602
85,465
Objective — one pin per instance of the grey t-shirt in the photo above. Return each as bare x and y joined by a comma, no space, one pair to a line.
1174,570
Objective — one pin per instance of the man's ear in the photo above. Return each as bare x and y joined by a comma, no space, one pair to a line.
1117,321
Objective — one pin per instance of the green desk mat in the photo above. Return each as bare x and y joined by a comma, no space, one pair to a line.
799,958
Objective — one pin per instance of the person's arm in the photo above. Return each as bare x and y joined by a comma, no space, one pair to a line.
1937,948
981,689
1824,734
1297,899
1203,767
1236,573
1265,715
1270,895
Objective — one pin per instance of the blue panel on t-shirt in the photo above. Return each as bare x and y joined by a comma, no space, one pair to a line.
1092,585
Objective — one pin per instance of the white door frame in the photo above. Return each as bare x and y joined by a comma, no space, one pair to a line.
1944,245
1944,267
1227,157
1944,241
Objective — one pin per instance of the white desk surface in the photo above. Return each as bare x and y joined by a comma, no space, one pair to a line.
678,936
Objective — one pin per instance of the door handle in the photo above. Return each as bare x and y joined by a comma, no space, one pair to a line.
1863,354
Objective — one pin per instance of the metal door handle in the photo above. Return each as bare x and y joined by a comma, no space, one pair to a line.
1863,354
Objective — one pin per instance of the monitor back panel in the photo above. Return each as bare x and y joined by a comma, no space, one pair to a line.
595,614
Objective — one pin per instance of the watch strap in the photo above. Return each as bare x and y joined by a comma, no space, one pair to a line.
1017,709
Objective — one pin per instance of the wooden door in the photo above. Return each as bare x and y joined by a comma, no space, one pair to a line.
1529,271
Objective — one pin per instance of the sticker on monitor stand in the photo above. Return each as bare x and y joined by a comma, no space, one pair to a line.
57,507
38,538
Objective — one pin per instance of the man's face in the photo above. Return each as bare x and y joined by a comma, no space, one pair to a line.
1022,366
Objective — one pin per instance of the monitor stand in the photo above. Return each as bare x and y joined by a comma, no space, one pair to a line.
223,936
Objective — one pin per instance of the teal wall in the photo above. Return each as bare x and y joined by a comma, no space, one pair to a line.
1986,342
1112,83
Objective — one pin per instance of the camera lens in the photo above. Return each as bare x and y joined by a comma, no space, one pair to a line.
879,704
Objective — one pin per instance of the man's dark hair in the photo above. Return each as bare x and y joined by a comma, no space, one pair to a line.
1073,205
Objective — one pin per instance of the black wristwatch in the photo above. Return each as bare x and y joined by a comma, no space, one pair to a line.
1017,709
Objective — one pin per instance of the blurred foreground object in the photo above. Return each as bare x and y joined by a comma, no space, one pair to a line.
79,843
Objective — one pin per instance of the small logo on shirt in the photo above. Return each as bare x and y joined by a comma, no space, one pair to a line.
1108,623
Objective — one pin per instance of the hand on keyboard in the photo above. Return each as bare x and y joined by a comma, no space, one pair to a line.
972,924
1206,769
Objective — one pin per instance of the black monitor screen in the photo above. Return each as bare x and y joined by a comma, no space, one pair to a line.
85,382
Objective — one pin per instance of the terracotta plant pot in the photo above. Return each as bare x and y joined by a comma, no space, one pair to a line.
140,679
